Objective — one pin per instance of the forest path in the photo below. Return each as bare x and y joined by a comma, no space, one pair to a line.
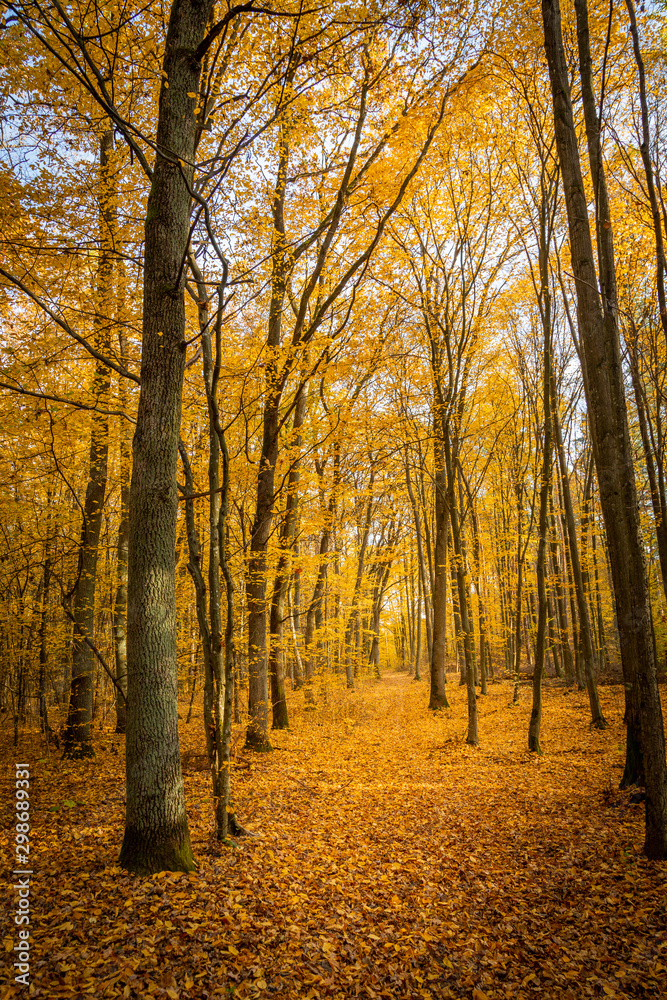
391,860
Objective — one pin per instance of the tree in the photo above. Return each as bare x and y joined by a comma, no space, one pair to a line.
156,828
598,329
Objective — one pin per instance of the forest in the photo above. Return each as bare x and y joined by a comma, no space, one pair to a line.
333,521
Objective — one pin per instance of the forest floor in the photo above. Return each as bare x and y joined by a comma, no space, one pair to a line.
390,860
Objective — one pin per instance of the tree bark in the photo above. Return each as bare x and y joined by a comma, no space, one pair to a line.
353,620
586,643
156,827
472,737
120,598
544,299
78,736
438,690
645,150
280,719
612,449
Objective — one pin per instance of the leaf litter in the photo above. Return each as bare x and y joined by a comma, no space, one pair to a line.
390,860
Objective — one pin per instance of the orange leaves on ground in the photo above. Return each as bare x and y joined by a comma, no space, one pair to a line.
391,861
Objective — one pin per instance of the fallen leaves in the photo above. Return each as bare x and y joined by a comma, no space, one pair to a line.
394,862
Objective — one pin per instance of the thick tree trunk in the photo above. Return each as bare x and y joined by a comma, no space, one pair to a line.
612,448
156,827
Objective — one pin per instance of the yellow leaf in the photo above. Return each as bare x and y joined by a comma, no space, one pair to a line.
189,982
479,995
192,95
172,994
232,950
9,943
609,991
126,992
260,984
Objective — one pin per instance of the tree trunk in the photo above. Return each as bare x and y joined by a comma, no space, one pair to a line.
120,600
645,150
156,827
481,613
438,692
612,449
561,613
472,737
351,629
520,550
418,649
586,643
78,737
544,299
281,581
656,484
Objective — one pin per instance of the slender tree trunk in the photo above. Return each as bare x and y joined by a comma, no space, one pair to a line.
418,650
420,552
280,719
120,599
78,737
645,150
298,666
587,645
43,649
481,613
352,628
602,641
438,692
472,737
561,613
257,737
545,483
520,549
655,484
